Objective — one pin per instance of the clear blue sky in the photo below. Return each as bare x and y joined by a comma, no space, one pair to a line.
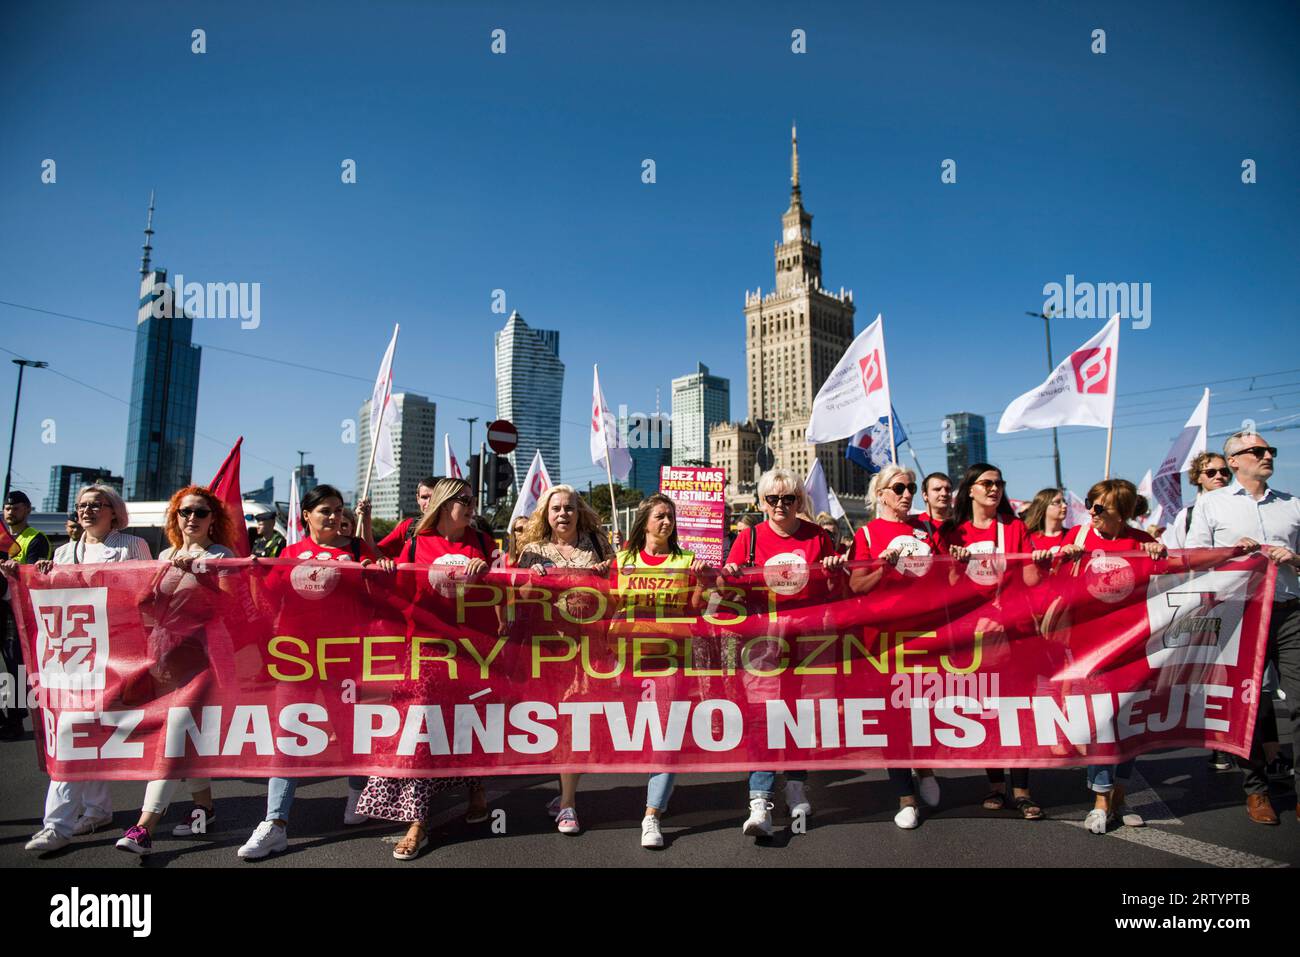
523,172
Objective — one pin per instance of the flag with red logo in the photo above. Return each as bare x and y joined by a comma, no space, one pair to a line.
293,529
536,482
1167,485
225,486
856,393
1080,391
452,468
604,434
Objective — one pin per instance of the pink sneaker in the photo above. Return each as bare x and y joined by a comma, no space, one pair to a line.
567,821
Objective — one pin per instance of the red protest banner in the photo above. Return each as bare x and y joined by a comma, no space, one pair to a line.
244,668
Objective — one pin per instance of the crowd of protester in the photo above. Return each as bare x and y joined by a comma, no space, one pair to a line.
973,523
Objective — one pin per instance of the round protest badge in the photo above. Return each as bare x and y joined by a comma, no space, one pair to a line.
1109,578
914,555
786,574
444,571
314,581
985,571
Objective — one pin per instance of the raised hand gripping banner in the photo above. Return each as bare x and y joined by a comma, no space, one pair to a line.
240,668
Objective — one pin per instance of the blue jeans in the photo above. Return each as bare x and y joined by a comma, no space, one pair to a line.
279,795
762,782
1102,778
659,790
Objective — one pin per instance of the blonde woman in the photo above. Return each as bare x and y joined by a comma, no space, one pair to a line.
74,808
564,533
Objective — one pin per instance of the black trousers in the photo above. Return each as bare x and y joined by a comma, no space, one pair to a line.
1284,653
13,657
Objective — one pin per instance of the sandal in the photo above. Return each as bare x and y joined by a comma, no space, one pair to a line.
995,801
408,850
1028,808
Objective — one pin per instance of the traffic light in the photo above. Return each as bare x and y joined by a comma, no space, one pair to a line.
501,479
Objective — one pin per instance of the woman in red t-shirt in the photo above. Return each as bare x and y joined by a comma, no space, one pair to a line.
322,511
1045,521
392,544
905,549
444,539
1108,577
783,547
983,529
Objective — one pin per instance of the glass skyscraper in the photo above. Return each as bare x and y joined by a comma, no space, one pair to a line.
394,497
700,401
530,383
965,442
164,389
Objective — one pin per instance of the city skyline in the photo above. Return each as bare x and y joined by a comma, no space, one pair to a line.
550,209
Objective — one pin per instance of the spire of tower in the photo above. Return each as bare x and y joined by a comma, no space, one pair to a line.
794,160
148,239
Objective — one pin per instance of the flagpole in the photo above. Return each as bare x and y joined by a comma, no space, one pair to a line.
609,472
1114,395
1110,434
374,437
889,396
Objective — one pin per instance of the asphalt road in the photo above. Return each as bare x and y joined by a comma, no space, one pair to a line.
1196,818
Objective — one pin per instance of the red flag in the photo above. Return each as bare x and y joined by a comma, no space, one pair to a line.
7,541
225,486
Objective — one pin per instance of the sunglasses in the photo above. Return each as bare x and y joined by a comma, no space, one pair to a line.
90,506
466,500
1217,473
194,512
898,488
991,484
774,500
1096,508
1257,451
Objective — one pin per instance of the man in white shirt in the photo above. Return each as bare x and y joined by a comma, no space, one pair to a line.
1252,517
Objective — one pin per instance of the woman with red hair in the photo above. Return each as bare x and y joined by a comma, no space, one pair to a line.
198,527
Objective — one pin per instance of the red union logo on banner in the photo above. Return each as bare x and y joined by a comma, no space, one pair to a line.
1091,371
872,379
71,636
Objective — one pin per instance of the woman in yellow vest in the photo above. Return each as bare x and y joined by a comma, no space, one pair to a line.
656,580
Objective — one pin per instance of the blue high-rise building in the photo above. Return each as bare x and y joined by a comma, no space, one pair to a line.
966,443
164,388
530,383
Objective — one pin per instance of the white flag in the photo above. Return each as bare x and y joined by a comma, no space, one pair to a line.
1080,391
818,492
536,482
1167,485
1077,513
604,434
293,530
384,417
856,394
452,469
1155,510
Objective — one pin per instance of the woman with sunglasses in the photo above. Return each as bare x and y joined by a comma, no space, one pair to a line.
75,808
1208,471
983,528
653,592
1104,577
564,534
444,539
783,547
198,527
901,550
322,513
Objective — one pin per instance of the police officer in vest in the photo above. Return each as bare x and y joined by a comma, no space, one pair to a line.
29,547
269,542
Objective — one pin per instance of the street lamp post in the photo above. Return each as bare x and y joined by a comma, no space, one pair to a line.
1047,329
13,431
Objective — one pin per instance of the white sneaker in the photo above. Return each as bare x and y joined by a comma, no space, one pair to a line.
1096,821
553,806
907,817
267,838
651,836
928,787
796,799
46,840
759,822
566,822
90,823
350,815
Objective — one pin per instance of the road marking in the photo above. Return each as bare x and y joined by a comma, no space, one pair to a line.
1187,847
